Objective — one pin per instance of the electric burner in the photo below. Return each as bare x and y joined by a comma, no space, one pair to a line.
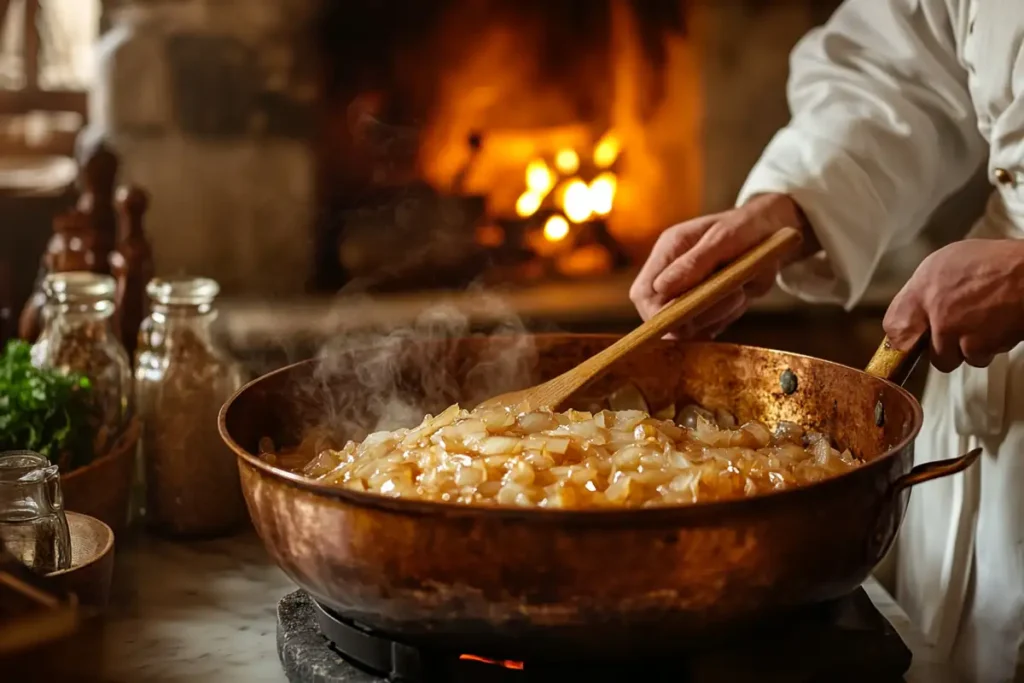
845,642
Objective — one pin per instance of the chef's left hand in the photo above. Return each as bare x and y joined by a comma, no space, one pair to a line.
969,297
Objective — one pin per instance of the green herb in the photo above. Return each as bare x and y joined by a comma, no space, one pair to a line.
44,410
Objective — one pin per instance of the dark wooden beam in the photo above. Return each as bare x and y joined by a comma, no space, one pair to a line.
24,101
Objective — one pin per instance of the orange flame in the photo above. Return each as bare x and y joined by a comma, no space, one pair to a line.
576,201
539,177
607,150
602,193
528,203
506,663
556,229
567,161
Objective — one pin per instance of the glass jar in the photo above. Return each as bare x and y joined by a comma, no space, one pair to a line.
33,527
78,336
182,378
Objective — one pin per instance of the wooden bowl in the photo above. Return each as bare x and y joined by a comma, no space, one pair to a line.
102,488
92,561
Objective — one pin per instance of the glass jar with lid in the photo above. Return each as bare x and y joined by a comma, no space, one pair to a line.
182,378
78,336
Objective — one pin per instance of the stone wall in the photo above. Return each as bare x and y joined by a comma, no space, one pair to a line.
209,103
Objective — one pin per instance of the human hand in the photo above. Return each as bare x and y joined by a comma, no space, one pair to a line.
687,253
968,297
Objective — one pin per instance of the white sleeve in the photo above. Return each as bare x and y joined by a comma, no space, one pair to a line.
882,130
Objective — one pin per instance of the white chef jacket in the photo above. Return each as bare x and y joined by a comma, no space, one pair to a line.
895,103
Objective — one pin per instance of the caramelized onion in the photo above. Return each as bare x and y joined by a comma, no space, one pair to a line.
574,459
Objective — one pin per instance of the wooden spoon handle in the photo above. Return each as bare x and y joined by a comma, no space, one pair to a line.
894,365
694,302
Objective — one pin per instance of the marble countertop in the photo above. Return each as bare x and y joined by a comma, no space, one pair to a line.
199,612
205,613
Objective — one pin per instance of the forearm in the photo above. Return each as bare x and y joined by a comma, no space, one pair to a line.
883,129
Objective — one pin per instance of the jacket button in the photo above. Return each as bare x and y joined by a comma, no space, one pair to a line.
1004,177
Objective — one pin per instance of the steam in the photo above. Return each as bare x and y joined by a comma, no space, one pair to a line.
382,380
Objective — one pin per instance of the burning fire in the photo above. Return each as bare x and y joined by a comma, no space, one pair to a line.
567,161
528,203
602,193
606,151
578,200
556,229
539,177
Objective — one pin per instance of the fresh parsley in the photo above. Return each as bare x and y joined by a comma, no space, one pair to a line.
43,410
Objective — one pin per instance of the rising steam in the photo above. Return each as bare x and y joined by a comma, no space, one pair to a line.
383,380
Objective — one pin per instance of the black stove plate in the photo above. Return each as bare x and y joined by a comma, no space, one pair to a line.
859,646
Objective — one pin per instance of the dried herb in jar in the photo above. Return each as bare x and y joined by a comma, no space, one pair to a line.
78,338
182,380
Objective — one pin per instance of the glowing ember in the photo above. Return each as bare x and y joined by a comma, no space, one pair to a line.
607,150
576,201
539,178
556,229
567,161
602,193
506,663
528,203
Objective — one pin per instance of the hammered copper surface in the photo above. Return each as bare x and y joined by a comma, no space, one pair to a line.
572,583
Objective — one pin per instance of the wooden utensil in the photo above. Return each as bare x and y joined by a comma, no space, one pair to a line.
554,392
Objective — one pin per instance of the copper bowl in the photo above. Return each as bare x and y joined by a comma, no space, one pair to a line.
578,583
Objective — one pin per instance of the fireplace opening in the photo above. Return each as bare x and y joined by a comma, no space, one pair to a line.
502,141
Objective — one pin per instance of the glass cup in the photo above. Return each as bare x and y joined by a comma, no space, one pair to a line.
33,527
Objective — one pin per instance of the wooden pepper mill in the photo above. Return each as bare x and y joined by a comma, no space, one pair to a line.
71,247
132,264
97,178
82,239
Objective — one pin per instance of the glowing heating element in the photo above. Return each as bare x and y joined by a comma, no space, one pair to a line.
505,663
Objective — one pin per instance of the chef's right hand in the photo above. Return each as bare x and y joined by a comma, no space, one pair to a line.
686,254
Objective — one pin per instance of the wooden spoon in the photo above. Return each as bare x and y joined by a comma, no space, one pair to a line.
555,392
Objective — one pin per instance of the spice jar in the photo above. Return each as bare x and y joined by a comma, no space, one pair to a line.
182,380
78,336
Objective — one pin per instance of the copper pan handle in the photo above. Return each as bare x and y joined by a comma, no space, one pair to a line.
935,470
893,364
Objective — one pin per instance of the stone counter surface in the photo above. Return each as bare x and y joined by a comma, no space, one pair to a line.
205,613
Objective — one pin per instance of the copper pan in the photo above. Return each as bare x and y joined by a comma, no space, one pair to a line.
536,582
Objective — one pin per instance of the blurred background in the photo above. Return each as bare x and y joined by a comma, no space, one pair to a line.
339,165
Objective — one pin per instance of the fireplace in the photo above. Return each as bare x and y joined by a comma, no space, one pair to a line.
297,145
503,141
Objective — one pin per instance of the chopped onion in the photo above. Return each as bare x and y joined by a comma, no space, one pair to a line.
575,459
534,422
789,432
494,445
